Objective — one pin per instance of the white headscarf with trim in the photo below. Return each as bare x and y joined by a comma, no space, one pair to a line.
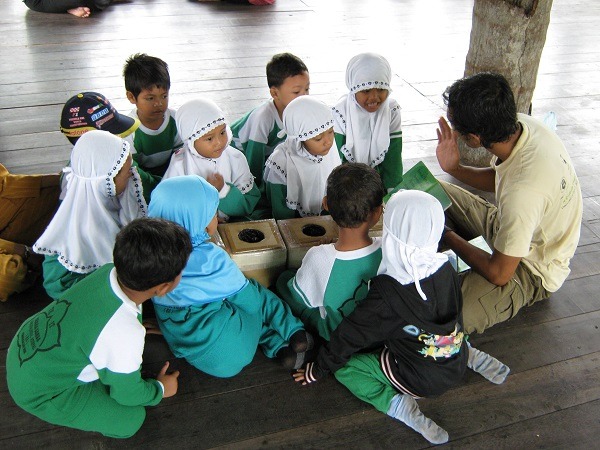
367,134
194,119
305,174
83,231
413,223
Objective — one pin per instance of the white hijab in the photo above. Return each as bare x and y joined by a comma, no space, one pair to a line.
83,230
194,119
367,134
413,223
306,175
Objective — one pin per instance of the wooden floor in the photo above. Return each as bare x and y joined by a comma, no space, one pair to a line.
219,50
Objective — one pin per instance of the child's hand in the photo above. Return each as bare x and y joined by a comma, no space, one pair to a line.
299,377
169,381
305,376
216,179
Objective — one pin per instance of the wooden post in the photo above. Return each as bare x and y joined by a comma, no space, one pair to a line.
507,37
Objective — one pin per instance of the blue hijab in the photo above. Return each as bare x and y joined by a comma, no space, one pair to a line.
210,274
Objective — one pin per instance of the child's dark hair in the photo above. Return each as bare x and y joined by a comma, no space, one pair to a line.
353,191
484,105
149,252
282,66
142,71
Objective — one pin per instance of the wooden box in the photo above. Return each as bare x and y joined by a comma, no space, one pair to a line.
256,247
301,234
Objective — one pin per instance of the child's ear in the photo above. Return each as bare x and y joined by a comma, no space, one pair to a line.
164,288
324,203
274,92
376,214
131,97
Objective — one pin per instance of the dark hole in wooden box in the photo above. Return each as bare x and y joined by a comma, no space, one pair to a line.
251,235
313,230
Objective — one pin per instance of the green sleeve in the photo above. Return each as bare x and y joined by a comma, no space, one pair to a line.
391,167
236,204
57,279
255,155
276,194
130,389
340,140
149,181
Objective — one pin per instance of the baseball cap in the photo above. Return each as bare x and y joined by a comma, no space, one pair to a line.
92,111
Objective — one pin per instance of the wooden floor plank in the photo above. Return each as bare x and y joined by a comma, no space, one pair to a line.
219,50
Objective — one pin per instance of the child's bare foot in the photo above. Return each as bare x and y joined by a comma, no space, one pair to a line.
81,11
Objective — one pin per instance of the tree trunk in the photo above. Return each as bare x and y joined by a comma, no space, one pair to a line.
507,37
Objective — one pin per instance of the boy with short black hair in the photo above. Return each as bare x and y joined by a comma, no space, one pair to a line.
334,278
85,377
147,83
255,134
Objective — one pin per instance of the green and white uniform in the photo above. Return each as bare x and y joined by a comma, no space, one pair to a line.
329,284
152,149
77,362
255,135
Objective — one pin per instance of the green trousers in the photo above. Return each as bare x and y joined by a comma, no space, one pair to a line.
484,303
362,375
98,411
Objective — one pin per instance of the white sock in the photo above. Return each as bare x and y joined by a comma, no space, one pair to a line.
405,409
487,366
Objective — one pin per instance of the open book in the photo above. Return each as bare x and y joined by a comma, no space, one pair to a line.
421,179
458,264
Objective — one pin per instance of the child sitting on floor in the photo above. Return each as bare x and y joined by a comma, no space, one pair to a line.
103,194
207,153
333,278
77,362
296,173
367,121
256,134
414,308
87,111
147,83
216,318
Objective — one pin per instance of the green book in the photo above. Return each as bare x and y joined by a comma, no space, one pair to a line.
421,179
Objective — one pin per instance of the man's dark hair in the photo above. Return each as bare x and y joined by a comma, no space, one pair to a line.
353,191
282,66
149,252
144,72
482,104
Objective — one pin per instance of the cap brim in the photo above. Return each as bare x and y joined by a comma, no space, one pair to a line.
122,125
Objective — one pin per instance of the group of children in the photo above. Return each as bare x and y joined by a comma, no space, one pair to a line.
399,340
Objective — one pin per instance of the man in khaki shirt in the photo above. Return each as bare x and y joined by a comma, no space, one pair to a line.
533,230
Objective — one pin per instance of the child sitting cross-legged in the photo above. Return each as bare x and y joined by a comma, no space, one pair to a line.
216,318
367,120
414,308
206,152
296,173
103,194
333,278
77,362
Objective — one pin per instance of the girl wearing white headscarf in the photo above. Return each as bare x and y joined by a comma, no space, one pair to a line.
296,172
206,152
367,121
104,193
216,318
